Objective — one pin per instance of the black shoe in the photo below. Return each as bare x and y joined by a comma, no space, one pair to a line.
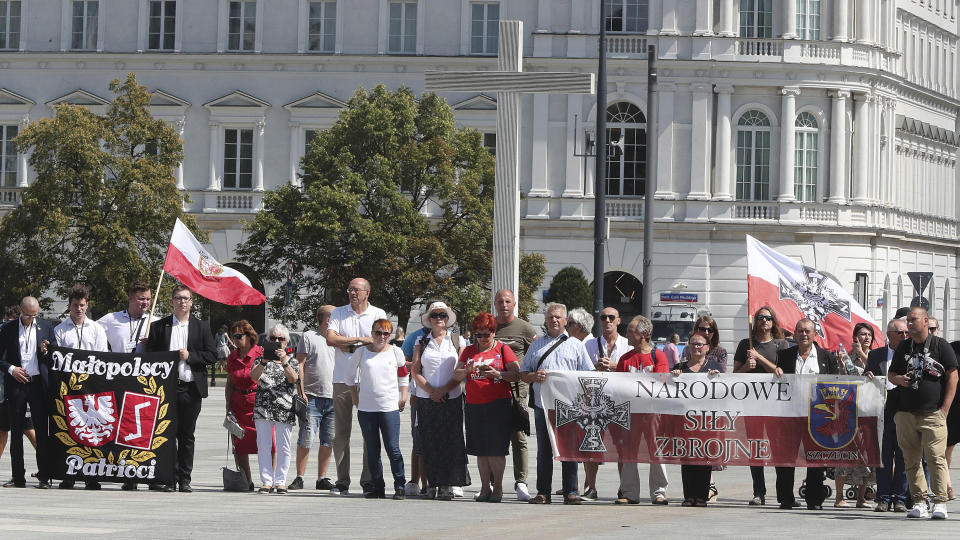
375,494
589,494
166,488
129,486
296,484
325,484
66,484
15,484
44,484
367,487
814,507
399,495
184,487
788,505
342,489
92,485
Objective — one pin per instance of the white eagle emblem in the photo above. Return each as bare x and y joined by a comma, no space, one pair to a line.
92,418
209,266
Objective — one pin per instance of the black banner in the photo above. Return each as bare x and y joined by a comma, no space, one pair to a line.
113,416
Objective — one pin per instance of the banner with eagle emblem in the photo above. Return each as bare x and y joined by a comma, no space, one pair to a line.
113,416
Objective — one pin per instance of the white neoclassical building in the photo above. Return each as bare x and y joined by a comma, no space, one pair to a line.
825,128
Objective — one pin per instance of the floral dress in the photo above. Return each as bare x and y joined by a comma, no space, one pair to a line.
275,394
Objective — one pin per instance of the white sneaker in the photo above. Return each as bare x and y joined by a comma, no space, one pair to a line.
522,493
411,490
939,511
457,491
919,510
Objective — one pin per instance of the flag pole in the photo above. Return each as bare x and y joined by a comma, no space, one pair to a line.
153,304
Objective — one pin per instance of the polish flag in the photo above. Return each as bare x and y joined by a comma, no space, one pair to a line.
194,267
795,291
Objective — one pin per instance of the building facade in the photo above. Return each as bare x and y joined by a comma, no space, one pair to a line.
825,128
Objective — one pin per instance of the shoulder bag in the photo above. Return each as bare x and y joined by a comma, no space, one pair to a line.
233,480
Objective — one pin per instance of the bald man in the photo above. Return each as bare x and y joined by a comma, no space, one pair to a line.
25,379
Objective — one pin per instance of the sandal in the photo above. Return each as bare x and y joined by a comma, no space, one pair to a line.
264,490
281,491
713,492
841,504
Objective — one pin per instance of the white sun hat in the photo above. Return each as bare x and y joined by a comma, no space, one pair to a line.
437,306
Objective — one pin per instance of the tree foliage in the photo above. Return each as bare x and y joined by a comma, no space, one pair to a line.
570,287
370,182
102,206
532,271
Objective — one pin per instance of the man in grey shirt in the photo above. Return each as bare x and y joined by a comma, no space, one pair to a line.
315,358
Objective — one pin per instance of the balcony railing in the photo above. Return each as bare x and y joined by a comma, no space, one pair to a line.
10,197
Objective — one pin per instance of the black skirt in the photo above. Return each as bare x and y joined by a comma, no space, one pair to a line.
488,428
441,436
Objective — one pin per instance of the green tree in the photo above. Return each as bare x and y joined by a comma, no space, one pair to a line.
369,184
569,287
532,271
103,204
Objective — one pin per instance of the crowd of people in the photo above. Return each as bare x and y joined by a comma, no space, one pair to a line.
465,394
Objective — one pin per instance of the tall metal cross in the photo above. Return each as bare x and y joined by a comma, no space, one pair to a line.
509,81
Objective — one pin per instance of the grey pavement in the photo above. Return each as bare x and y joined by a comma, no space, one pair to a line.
211,513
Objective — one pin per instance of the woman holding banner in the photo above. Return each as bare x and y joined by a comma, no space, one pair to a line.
240,391
758,354
696,478
855,364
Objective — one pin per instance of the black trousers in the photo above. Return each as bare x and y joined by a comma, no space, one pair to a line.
188,410
18,396
816,491
696,481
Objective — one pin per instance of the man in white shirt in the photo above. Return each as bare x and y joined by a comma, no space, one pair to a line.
315,362
79,332
125,329
350,326
605,352
579,324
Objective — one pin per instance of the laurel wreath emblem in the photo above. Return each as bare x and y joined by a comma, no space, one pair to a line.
92,455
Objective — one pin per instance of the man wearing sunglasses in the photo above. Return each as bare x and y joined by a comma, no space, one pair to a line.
892,491
349,328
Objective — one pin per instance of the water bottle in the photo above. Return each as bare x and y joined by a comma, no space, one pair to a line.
848,364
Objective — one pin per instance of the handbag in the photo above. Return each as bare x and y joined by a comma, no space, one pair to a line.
300,408
233,480
520,416
232,427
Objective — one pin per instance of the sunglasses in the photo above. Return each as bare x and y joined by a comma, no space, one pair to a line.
438,315
277,338
381,333
607,317
238,336
482,335
764,317
933,328
705,329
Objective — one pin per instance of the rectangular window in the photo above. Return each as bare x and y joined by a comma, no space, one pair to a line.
753,165
403,27
805,166
84,25
808,19
163,25
756,18
238,159
322,26
626,15
242,25
484,27
860,289
490,143
308,137
8,156
9,25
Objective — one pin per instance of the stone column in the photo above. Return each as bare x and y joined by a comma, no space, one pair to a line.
214,183
704,24
258,155
23,160
841,9
722,184
539,184
861,142
727,16
665,133
179,125
788,113
838,148
294,152
864,14
790,19
655,15
668,25
575,134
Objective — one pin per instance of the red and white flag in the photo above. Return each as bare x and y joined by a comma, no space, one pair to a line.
194,267
795,291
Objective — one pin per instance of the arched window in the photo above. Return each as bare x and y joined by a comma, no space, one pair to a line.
808,19
753,157
806,158
626,150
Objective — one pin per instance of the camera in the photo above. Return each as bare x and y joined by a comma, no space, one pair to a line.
914,378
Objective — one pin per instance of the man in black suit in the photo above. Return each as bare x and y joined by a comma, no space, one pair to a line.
892,493
192,338
22,348
805,357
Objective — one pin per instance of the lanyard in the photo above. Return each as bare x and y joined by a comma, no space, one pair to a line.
28,334
131,327
79,330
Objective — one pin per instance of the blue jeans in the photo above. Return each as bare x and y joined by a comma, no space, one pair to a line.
892,477
373,425
568,469
319,421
